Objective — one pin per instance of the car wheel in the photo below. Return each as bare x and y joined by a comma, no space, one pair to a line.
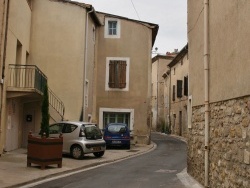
77,152
99,154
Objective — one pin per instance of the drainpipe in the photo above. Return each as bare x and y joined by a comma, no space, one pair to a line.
206,84
2,67
85,60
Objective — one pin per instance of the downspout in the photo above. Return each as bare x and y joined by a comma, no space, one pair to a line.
2,111
169,101
206,84
85,61
157,87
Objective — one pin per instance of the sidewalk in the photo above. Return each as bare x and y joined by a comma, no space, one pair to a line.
15,173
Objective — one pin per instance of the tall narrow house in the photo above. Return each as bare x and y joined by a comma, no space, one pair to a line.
97,66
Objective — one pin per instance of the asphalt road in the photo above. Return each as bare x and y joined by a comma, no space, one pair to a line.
154,169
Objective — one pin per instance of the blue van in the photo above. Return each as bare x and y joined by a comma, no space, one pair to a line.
117,134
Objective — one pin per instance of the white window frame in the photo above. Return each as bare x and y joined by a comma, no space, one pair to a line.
108,59
116,110
106,30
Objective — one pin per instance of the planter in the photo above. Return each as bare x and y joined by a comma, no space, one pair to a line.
44,151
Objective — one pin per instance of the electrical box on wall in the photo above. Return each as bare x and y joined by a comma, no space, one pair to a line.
29,118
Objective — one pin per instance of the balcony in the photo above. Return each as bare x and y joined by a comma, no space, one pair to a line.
29,80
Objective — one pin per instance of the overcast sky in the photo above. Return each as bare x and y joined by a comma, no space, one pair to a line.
170,15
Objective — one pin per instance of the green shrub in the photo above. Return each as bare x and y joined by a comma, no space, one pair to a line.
45,112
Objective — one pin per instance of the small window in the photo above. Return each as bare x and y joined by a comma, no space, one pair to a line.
173,93
117,74
186,85
179,88
112,27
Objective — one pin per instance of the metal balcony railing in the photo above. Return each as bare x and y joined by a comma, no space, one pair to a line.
26,77
23,77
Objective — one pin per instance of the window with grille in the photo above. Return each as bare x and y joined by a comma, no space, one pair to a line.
117,74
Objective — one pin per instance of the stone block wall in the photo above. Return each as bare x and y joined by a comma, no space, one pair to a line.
229,142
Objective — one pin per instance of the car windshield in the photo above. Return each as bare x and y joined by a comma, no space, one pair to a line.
92,132
116,128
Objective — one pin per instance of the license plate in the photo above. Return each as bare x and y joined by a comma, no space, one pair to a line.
96,148
116,141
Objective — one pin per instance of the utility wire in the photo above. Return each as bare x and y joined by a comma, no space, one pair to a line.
135,10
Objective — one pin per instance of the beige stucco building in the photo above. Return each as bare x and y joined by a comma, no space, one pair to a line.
219,133
176,90
69,45
159,98
127,99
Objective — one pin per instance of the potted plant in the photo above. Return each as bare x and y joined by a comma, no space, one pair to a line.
44,150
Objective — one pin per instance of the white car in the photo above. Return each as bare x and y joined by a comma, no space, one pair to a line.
79,138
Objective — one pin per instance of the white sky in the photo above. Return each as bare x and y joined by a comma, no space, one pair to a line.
170,15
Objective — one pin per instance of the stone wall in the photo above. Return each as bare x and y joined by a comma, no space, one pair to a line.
229,155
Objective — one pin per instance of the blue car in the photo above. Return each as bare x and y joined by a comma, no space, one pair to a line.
117,134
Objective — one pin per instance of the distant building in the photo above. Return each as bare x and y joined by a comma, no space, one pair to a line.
176,90
159,100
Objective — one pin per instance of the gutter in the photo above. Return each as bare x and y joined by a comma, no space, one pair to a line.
206,85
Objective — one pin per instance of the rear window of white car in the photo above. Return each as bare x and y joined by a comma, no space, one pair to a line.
92,132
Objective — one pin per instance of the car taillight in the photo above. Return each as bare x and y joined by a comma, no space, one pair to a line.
126,137
81,134
107,137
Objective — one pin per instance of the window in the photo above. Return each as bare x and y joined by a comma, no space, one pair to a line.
55,129
68,128
114,117
179,88
186,85
112,28
117,73
173,92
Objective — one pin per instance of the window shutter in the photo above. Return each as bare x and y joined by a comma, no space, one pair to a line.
173,92
112,74
122,75
179,88
186,85
117,74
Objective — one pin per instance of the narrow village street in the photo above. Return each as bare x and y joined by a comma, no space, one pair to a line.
161,167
